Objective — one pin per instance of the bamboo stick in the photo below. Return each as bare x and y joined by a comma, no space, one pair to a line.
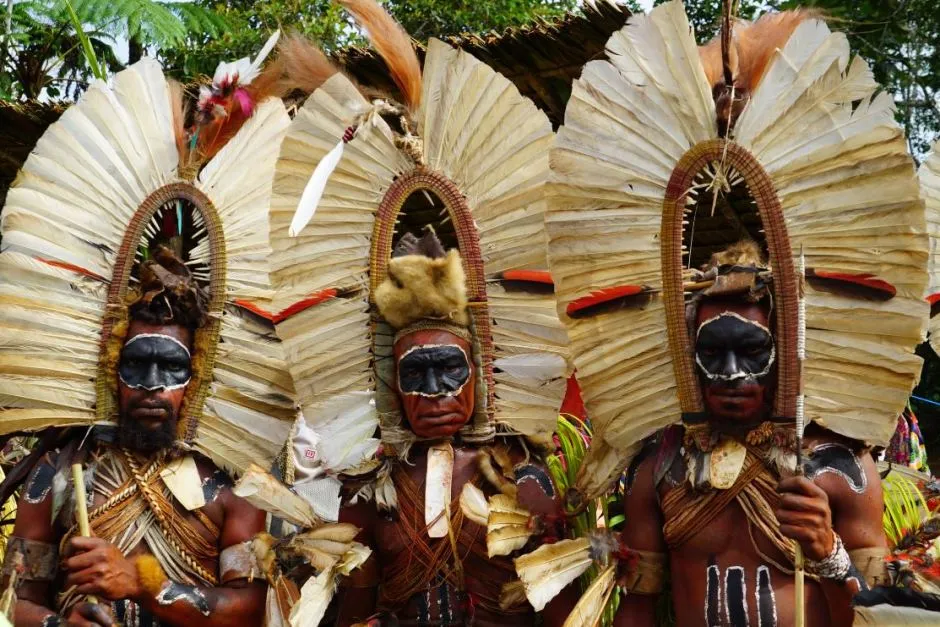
81,509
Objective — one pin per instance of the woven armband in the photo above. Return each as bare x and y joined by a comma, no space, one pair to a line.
870,562
30,560
238,562
646,573
836,566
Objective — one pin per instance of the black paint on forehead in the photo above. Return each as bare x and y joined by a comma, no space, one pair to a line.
726,329
150,346
438,354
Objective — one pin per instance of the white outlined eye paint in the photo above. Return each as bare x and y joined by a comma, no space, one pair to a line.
154,388
740,375
421,347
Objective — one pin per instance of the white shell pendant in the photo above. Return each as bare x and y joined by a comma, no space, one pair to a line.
437,487
727,460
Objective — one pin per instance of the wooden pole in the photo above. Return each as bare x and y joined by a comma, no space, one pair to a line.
81,508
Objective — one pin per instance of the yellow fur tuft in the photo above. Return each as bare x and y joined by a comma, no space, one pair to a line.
151,574
421,288
744,253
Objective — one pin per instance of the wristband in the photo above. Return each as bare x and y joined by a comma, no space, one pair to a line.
835,566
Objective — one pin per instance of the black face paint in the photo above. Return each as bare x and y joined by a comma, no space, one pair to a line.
840,460
151,361
173,592
531,472
433,370
39,484
736,597
729,347
215,483
766,603
712,595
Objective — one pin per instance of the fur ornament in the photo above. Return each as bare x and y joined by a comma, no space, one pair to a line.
419,287
150,573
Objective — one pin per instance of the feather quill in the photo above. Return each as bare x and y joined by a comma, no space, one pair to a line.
591,605
394,46
547,570
473,504
262,490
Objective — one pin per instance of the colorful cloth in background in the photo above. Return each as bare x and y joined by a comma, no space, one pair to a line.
907,444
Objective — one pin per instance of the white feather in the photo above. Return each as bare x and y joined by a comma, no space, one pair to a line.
473,504
541,367
339,431
314,189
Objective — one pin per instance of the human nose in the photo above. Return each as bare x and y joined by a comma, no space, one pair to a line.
431,384
152,380
729,366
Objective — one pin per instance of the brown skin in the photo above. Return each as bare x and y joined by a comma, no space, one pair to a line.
438,418
98,568
809,512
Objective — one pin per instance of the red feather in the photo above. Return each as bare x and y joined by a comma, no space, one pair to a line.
528,276
600,297
294,309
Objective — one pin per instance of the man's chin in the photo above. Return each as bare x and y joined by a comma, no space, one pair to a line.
439,427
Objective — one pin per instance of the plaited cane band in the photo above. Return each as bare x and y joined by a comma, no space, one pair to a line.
207,336
786,294
468,241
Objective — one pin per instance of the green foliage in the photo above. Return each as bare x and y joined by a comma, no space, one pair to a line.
573,438
249,26
434,18
905,507
56,46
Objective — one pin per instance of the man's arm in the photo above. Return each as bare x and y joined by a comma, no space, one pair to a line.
642,531
32,558
848,504
98,568
358,594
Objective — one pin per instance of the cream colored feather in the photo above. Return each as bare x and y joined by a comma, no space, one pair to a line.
929,175
262,490
591,605
546,571
508,526
473,504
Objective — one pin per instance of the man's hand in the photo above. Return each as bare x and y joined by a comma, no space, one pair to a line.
805,516
89,615
97,567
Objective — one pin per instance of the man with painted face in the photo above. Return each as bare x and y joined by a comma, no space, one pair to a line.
718,497
430,563
170,541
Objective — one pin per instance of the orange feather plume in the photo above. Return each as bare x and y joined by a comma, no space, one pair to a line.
178,108
753,46
393,44
305,65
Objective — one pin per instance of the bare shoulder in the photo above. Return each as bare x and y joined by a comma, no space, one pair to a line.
845,470
215,482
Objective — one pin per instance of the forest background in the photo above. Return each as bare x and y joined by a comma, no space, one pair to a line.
51,49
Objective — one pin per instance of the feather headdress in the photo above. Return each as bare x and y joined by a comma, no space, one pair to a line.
929,175
817,150
462,143
103,183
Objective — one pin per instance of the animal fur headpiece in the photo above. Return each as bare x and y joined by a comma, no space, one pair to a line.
425,288
168,293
